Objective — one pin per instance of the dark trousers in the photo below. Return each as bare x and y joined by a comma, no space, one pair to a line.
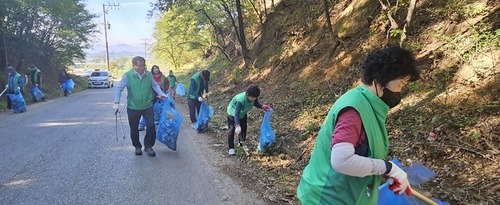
133,119
194,106
230,131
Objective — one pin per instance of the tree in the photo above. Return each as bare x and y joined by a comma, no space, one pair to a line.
242,38
52,32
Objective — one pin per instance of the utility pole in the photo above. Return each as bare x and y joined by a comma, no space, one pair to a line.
106,27
145,46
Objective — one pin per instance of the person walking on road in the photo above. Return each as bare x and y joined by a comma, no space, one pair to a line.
237,115
198,84
172,80
35,78
347,162
15,84
140,85
63,77
162,82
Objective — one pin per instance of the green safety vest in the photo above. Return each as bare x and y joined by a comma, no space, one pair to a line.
242,98
140,93
16,82
196,78
34,76
320,183
171,80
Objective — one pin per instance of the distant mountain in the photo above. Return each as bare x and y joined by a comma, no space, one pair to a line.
115,51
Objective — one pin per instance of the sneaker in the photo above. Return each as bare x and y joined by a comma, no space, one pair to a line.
141,128
138,151
231,152
150,151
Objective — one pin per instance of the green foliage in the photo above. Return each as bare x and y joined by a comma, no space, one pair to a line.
181,38
396,32
52,33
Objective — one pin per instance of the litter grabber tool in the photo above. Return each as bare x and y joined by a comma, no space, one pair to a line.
416,194
118,116
4,91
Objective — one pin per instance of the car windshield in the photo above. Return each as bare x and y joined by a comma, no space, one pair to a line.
94,74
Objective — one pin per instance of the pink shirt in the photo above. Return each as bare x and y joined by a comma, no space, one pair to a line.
349,128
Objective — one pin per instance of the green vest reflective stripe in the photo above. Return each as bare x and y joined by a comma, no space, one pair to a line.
140,93
320,183
171,80
242,98
196,78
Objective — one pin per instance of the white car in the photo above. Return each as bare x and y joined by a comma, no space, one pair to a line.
86,73
100,79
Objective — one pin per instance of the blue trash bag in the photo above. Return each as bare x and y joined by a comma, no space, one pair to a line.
267,134
69,85
386,196
417,174
142,122
37,93
18,103
206,113
157,110
180,90
169,125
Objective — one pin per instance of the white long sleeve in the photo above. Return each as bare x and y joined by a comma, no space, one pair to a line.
343,160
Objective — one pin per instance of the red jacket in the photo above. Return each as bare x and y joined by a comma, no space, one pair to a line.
162,81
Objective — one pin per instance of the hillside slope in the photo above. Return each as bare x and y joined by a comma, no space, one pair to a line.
457,47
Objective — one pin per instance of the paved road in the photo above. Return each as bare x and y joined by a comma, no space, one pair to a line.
64,151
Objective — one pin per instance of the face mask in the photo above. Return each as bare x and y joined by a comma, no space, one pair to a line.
391,98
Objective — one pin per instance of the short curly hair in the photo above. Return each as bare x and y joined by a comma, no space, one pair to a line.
253,91
387,64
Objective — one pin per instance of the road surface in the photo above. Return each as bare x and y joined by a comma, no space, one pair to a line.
64,151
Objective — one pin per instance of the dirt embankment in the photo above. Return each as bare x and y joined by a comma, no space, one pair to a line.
457,47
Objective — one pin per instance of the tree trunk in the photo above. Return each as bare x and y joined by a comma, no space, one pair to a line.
243,40
330,29
258,13
265,8
3,46
217,32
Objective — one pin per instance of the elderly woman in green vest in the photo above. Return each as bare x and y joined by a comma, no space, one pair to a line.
140,86
348,159
15,84
197,84
237,115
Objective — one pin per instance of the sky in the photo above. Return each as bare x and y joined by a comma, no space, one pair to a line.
129,24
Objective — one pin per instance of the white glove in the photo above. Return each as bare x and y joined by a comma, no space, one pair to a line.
401,180
116,107
200,99
237,130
